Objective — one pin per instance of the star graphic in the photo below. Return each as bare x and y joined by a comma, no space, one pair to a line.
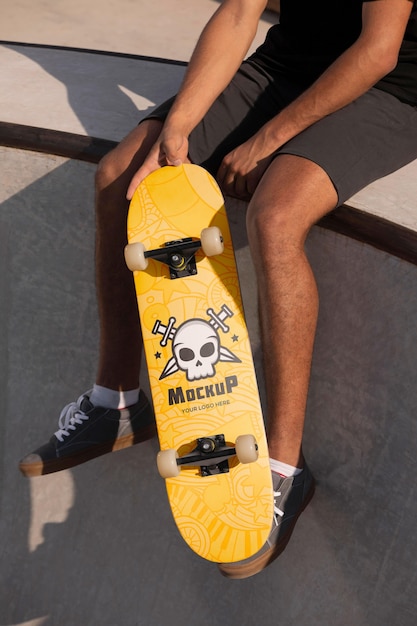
157,355
235,338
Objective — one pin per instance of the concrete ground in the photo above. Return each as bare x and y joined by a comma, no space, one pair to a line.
96,546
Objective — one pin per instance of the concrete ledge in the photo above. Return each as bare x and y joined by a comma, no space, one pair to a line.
58,142
369,228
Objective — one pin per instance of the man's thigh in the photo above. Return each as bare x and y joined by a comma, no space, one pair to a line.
366,140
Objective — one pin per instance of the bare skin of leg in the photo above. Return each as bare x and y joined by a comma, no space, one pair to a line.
292,196
120,337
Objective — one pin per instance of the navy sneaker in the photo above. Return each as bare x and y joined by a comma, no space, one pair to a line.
291,498
86,431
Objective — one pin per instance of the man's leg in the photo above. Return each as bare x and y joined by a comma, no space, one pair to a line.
116,414
120,339
291,197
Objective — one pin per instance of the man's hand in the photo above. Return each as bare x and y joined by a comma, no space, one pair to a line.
242,169
171,148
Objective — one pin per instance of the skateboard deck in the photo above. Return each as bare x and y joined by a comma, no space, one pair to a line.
199,360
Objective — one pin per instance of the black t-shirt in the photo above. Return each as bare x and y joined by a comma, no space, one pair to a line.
312,34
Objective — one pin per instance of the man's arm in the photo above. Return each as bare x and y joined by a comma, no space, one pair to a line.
372,56
221,48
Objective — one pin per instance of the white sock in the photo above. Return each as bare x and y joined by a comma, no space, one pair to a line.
284,469
113,399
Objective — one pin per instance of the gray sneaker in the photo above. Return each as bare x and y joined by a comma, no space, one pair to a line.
86,431
291,497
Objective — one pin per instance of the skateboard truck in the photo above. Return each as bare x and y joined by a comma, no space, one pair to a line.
178,255
211,455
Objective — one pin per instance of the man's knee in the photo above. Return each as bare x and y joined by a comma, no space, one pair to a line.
107,171
117,168
292,196
274,228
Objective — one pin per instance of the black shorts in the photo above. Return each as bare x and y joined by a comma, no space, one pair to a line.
366,140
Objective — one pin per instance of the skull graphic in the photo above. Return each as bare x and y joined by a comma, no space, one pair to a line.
196,349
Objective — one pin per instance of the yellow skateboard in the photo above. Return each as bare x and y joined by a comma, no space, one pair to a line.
213,446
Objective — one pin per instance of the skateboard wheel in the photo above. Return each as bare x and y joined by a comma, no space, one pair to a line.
166,461
246,449
212,241
135,256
